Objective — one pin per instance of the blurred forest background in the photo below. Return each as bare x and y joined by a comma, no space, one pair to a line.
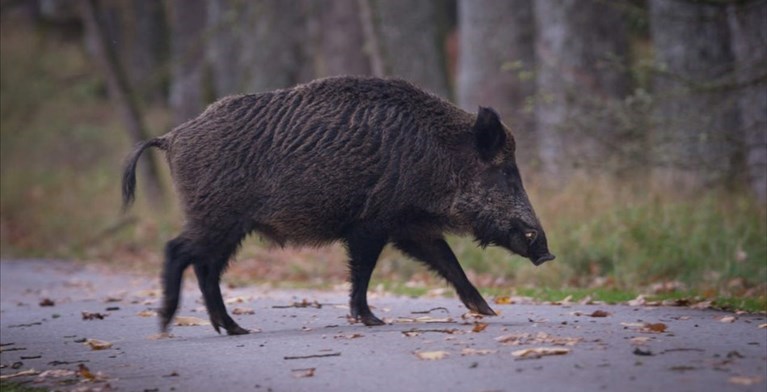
641,126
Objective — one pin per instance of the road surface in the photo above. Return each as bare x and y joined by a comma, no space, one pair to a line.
302,341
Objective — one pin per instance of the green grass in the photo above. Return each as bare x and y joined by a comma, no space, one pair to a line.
12,386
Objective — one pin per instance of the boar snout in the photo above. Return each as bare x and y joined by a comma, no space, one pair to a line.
538,248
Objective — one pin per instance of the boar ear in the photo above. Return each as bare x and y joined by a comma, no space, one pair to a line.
489,133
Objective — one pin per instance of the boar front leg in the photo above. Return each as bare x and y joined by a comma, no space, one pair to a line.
438,256
363,247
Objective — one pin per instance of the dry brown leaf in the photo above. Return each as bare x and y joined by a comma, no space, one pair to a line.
234,300
161,335
431,355
188,321
503,300
654,327
728,319
241,311
155,293
410,334
599,313
47,302
538,352
147,313
539,338
84,372
303,373
763,326
96,344
745,380
93,315
472,351
349,336
479,327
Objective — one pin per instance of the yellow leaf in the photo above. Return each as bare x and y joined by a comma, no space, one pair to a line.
504,300
147,313
241,311
744,380
472,351
431,355
96,344
188,321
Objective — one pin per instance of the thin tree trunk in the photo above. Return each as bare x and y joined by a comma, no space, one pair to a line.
122,95
496,65
696,131
187,25
748,25
372,46
342,42
581,48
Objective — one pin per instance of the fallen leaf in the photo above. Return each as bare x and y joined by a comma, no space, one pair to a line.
161,335
30,372
84,372
431,355
640,340
763,325
349,336
56,373
654,327
47,302
241,311
149,293
303,373
96,344
538,352
93,315
147,313
188,321
647,327
638,301
539,338
472,351
234,300
745,380
728,319
479,327
410,334
504,300
703,305
599,313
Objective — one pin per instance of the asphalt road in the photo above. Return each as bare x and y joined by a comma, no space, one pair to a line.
304,342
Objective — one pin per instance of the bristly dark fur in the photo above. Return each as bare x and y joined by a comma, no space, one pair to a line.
365,161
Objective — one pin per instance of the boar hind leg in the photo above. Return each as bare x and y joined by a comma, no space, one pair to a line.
364,249
209,279
178,256
438,256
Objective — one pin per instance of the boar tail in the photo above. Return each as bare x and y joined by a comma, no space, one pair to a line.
129,174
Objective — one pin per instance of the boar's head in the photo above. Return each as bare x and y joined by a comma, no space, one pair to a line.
494,204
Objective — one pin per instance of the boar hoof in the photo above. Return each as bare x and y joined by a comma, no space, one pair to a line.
482,308
369,320
237,330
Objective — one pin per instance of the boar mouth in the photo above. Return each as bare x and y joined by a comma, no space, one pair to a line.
542,259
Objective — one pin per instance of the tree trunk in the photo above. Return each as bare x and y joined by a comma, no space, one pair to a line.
748,26
496,65
581,47
696,117
187,24
258,45
121,93
341,44
410,45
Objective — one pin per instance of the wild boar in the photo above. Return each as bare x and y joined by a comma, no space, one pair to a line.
363,161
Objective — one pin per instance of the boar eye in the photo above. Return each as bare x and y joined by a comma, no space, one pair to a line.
531,235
